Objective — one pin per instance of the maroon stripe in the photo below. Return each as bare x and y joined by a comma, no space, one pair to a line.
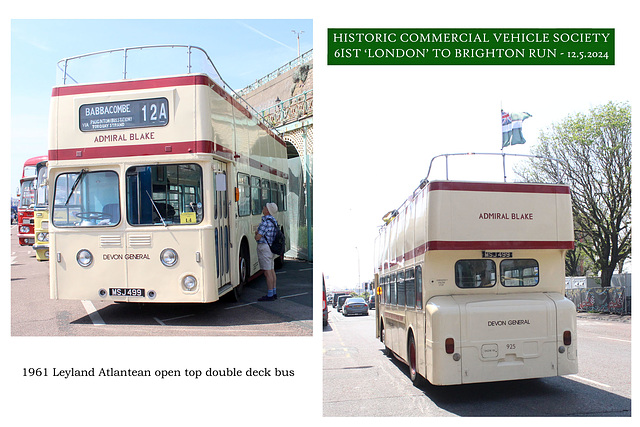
514,244
172,148
441,245
132,85
498,187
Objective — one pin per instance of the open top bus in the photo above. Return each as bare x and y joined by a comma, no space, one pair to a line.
470,282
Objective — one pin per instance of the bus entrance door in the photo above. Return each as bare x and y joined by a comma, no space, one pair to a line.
221,224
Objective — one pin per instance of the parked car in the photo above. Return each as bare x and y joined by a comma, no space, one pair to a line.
336,295
372,302
341,300
355,306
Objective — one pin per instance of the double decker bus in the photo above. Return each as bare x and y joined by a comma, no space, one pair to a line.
158,179
41,213
27,200
470,282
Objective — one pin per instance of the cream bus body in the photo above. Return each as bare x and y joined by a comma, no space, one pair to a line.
177,210
471,282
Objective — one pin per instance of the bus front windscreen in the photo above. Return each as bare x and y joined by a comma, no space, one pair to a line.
86,199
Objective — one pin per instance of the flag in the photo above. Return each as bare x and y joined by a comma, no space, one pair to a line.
512,128
507,129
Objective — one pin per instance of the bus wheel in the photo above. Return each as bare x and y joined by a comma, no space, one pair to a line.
413,361
243,265
383,338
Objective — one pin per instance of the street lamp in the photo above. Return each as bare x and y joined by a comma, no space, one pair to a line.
297,33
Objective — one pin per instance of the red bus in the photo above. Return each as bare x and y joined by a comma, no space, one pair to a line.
27,200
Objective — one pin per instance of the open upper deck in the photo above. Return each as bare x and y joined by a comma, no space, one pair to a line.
474,215
150,100
498,216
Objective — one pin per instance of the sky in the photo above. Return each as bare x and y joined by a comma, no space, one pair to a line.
242,50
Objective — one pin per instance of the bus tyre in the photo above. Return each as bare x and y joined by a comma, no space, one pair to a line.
412,359
387,352
243,272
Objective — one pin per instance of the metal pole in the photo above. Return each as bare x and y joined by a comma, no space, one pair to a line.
189,60
124,68
64,76
446,166
504,166
297,33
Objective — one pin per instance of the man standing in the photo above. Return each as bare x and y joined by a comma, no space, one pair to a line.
264,236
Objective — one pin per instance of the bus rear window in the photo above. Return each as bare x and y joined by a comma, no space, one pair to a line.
475,273
519,272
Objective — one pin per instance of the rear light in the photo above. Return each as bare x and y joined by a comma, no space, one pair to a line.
566,337
449,345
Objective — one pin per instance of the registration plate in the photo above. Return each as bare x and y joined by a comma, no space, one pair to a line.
126,292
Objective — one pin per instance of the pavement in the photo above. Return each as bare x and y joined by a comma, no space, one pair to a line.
623,318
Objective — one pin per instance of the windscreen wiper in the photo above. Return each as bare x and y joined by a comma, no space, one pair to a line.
156,208
75,184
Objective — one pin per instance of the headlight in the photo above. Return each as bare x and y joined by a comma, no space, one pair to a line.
24,229
189,283
168,257
43,237
84,258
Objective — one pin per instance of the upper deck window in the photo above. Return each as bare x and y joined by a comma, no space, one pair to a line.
519,272
475,273
164,194
86,199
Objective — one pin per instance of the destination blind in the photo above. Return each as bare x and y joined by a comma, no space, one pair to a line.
124,114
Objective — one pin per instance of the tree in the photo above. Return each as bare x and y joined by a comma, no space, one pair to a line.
594,151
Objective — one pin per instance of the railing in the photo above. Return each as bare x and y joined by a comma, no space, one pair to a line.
142,62
290,110
423,183
302,59
503,155
601,300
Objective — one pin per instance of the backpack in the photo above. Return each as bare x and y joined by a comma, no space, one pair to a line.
277,246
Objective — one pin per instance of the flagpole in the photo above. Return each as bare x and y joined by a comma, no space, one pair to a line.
504,167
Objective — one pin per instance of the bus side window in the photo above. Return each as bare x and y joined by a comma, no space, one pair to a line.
244,196
392,285
387,290
410,287
419,287
401,288
256,206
